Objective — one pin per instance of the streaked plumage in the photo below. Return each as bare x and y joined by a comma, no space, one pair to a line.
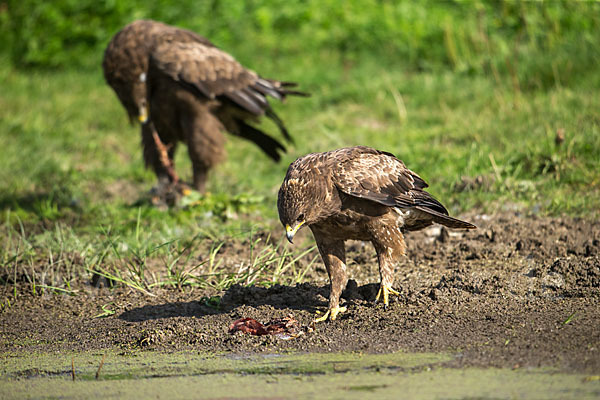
193,91
357,193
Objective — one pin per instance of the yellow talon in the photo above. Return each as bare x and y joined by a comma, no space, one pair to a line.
385,291
332,313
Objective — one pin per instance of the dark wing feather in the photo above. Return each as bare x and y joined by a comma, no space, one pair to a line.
275,118
270,146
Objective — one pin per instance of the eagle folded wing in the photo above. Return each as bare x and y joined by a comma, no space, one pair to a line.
383,178
212,73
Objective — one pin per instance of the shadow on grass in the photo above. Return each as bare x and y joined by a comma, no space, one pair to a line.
42,207
40,201
303,296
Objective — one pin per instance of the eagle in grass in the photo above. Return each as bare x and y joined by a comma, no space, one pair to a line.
357,193
182,88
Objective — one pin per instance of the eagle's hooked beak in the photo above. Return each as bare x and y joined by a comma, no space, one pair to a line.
143,114
290,232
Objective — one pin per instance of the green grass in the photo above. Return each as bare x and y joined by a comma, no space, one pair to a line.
71,171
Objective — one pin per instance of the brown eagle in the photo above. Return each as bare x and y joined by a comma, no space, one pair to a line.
183,88
357,193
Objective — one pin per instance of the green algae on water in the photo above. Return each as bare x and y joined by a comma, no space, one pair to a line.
333,375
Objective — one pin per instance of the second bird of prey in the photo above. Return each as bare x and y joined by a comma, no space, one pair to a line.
185,89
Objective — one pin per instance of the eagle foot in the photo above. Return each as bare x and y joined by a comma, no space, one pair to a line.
332,313
384,292
167,194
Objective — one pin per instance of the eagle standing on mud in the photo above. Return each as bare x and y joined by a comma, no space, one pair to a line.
183,88
357,193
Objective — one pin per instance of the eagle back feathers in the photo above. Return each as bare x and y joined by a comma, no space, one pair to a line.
189,59
211,71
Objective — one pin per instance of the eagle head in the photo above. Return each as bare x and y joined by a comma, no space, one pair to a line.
295,204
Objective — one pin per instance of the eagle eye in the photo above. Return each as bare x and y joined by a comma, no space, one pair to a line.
300,218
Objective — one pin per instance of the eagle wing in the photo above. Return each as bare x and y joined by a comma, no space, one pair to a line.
379,176
213,73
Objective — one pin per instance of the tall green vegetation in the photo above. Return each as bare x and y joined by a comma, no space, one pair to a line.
538,42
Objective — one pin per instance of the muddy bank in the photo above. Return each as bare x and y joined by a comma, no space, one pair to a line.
518,292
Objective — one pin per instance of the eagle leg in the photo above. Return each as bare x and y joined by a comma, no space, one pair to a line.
165,158
332,314
333,254
384,292
206,146
389,245
158,155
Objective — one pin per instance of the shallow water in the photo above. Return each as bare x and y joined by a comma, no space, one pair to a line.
244,376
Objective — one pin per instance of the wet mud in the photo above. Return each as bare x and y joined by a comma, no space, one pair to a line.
519,292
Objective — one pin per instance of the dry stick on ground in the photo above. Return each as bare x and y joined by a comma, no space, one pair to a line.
100,366
163,155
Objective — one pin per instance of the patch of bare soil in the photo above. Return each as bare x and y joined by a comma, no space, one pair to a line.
521,291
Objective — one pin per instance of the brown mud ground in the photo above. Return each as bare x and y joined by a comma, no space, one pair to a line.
521,291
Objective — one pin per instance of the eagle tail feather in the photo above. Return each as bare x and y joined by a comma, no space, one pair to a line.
447,220
267,144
